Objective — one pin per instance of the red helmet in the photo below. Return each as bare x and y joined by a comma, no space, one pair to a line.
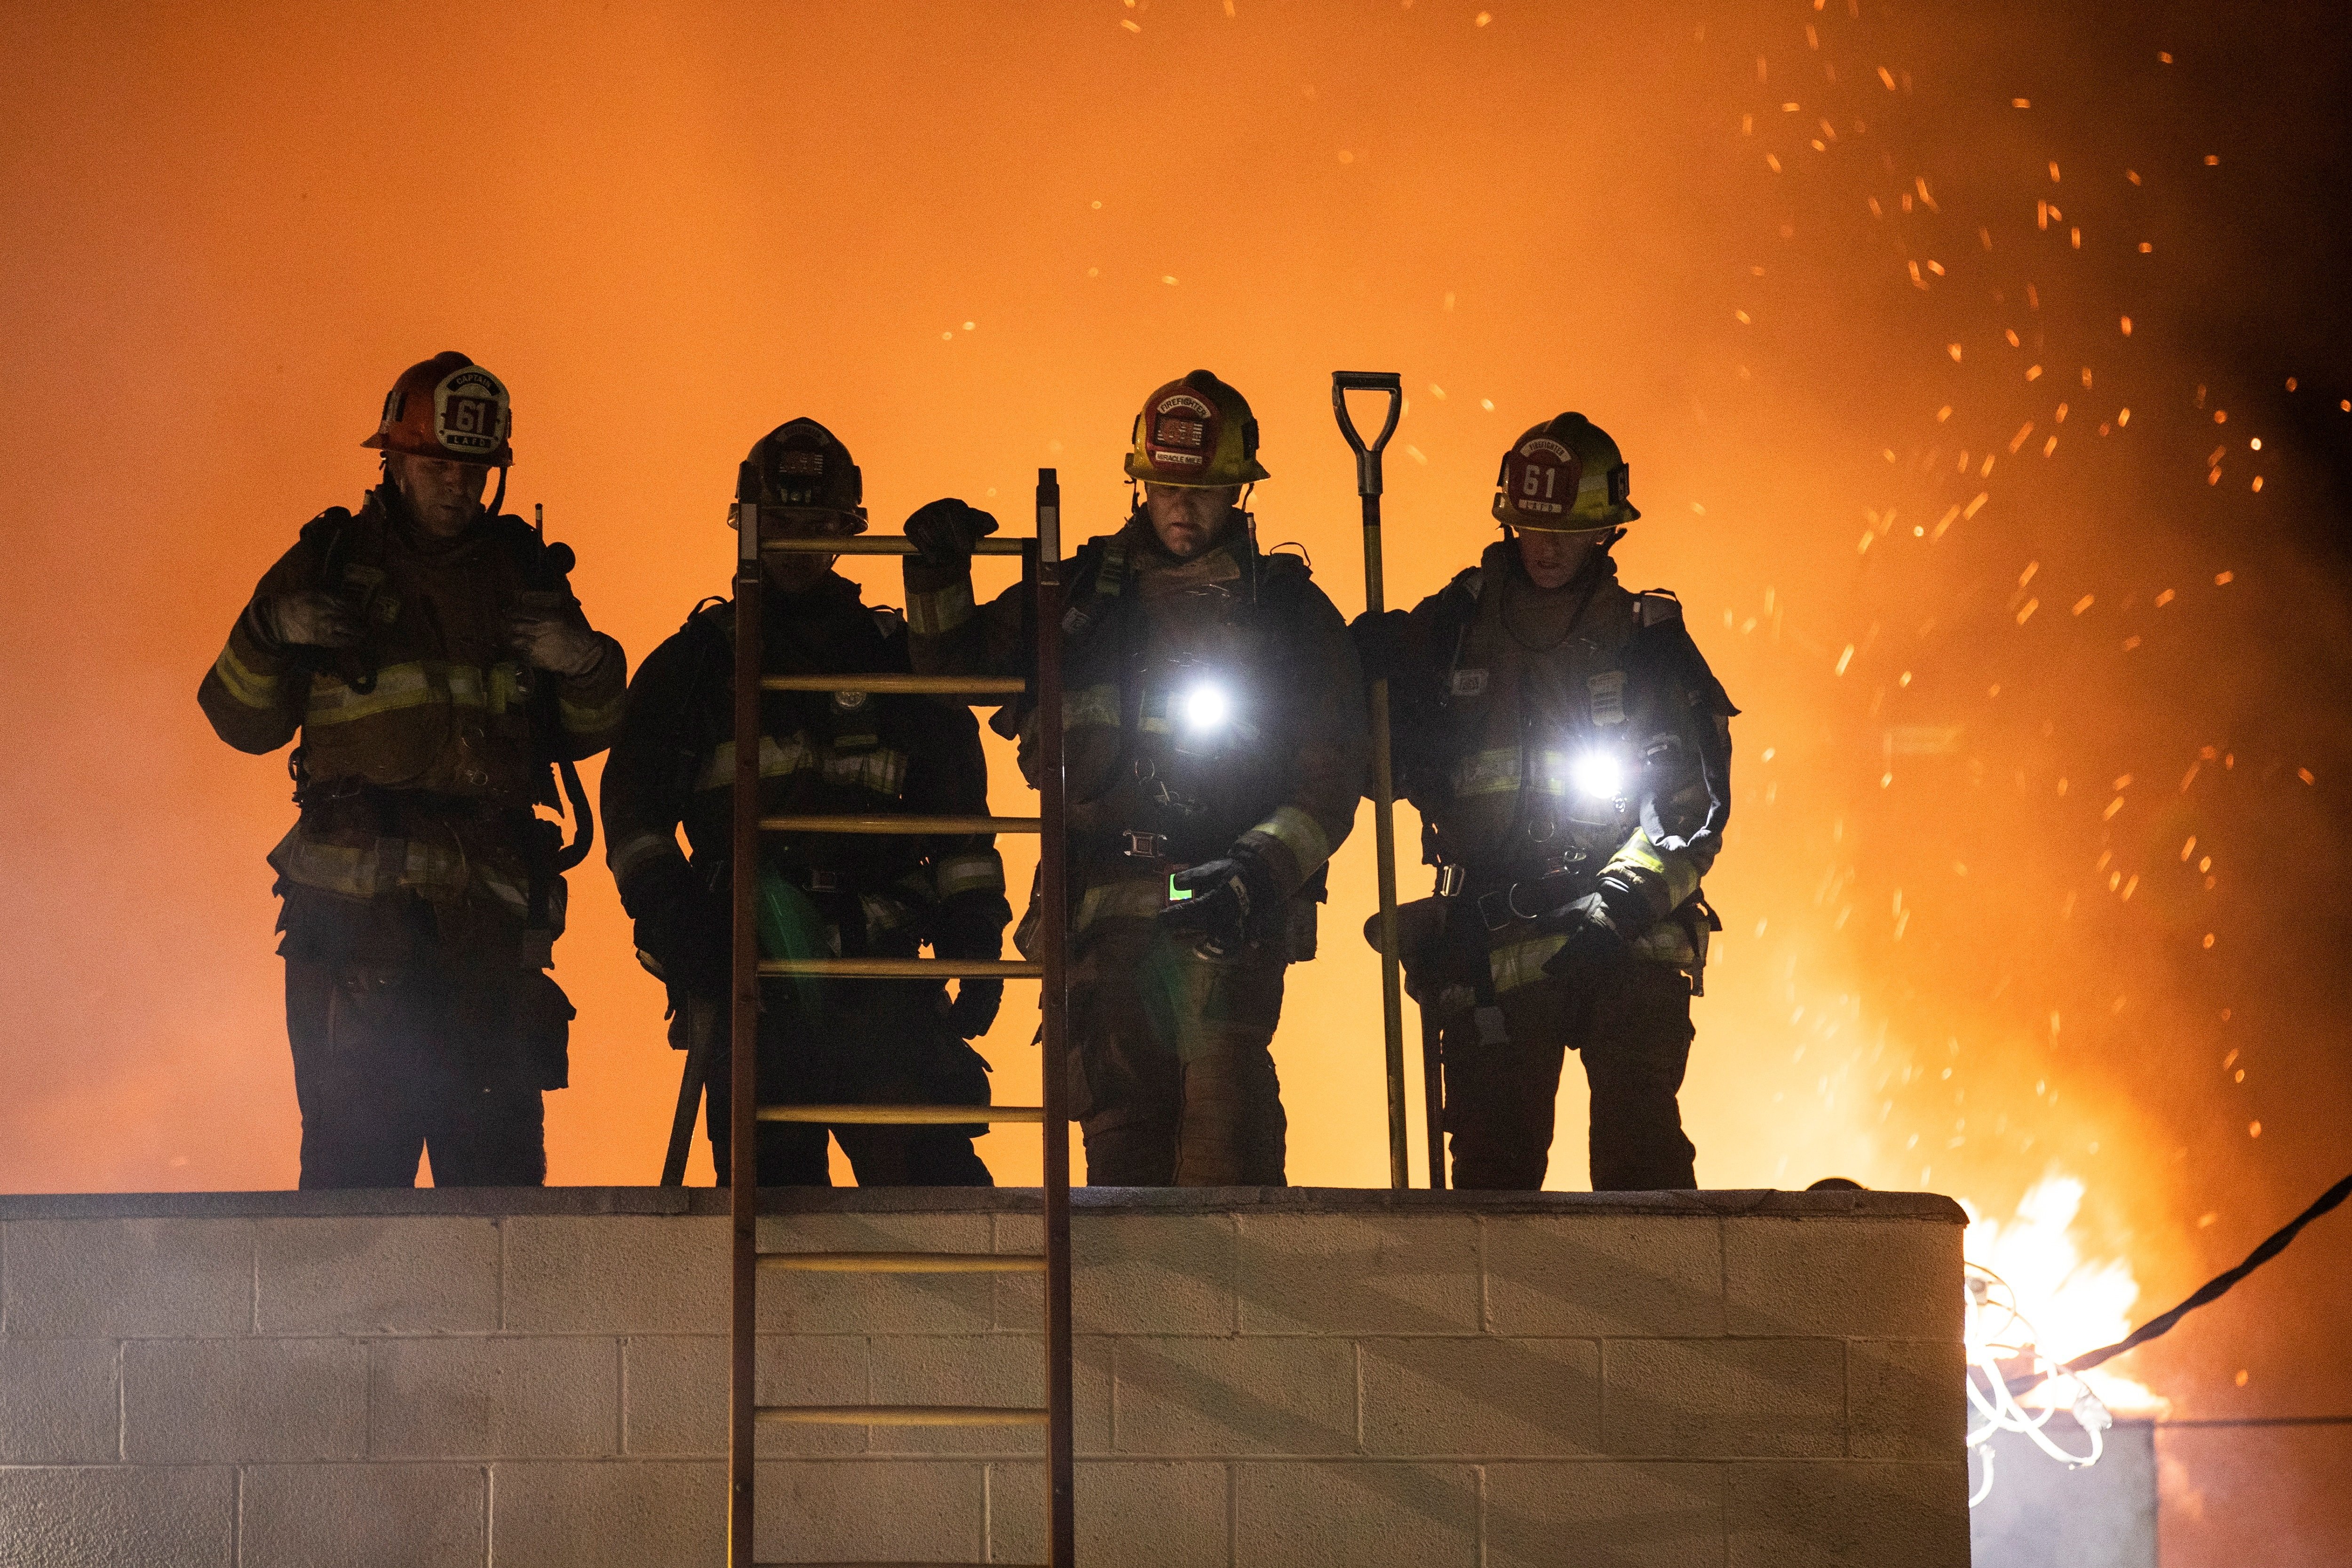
447,406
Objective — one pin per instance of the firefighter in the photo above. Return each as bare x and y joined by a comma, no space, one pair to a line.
826,894
1570,755
1214,753
430,653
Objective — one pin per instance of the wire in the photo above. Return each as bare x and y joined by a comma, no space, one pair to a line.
1997,1331
2218,1287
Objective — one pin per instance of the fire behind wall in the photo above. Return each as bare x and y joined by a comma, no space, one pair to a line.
2002,664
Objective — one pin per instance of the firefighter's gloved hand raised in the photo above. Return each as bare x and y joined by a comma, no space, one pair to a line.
945,531
1228,900
552,632
311,619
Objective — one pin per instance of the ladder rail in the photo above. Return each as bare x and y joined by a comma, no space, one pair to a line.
743,1170
1041,571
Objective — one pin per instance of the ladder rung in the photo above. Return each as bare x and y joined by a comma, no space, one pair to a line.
905,1262
903,968
909,824
920,685
880,545
902,1115
902,1415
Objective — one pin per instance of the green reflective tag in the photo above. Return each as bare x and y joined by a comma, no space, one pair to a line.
1177,895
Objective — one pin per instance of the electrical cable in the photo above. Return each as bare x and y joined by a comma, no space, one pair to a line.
2218,1287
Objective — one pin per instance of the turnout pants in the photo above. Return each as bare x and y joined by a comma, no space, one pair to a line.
886,1046
387,1067
1171,1079
1631,1022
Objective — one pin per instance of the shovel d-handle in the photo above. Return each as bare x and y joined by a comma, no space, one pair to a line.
1368,456
1367,486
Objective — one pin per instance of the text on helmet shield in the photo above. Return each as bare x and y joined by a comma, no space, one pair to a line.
1542,476
469,413
1179,431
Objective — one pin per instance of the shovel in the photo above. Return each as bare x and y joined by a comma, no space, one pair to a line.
1367,486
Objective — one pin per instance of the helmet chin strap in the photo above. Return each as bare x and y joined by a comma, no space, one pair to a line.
499,500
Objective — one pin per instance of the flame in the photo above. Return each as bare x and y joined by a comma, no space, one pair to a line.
2068,1303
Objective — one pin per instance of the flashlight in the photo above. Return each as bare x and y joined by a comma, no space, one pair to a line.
1597,774
1206,706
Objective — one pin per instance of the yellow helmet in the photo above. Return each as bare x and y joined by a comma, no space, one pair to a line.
1564,476
1195,434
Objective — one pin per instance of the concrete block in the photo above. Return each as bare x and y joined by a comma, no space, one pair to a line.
1344,1515
501,1397
60,1402
365,1516
1336,1273
1901,1399
667,1515
619,1274
674,1395
126,1277
1624,1515
421,1275
1605,1275
1136,1513
1480,1398
1258,1395
193,1401
676,1391
1848,1515
828,1303
871,1511
1130,1274
1707,1399
986,1369
1896,1280
117,1516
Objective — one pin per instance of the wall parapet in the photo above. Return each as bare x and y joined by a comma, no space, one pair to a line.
1298,1376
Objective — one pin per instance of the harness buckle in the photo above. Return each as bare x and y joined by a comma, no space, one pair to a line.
1452,878
1141,846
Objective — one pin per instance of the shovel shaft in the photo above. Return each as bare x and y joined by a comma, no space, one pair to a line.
1367,486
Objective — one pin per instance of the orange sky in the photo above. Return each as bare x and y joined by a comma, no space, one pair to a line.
969,239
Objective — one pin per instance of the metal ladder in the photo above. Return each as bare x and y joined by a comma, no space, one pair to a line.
1040,577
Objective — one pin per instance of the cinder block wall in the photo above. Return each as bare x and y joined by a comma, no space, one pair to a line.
1289,1378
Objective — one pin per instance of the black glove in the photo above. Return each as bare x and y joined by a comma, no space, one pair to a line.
1377,643
970,924
551,633
311,619
1599,925
974,1008
945,531
687,931
1230,898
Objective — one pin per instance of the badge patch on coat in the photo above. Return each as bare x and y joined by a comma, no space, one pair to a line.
1469,683
1608,690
